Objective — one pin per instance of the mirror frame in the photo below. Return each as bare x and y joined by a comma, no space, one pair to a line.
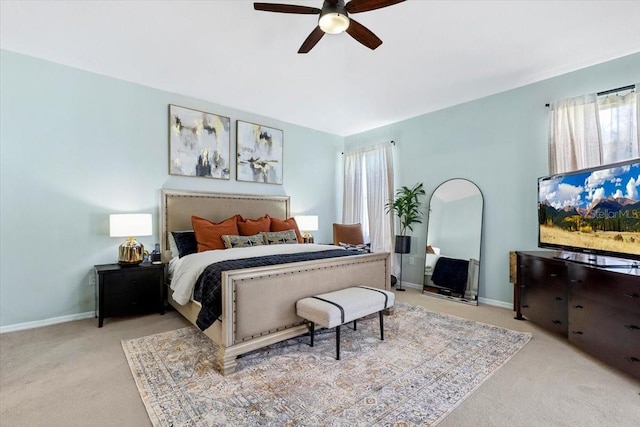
443,293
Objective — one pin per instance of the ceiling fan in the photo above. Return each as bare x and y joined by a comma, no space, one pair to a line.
334,19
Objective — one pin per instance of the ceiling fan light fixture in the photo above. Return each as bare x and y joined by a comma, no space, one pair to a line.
333,22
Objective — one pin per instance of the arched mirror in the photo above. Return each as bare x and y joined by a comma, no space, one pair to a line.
454,234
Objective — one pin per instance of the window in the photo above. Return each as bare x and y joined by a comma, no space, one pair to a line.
594,129
618,126
368,186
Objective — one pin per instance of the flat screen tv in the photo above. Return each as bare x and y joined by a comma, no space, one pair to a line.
593,211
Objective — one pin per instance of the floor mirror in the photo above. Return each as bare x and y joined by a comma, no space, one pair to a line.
454,235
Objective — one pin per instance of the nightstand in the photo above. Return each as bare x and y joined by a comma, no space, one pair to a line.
125,290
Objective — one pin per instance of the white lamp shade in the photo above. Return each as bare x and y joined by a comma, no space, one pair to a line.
130,225
307,222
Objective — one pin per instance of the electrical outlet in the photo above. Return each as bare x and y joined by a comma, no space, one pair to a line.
412,260
92,279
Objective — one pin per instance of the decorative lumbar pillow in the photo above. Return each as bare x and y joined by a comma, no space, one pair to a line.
182,243
364,248
287,237
209,234
242,241
251,227
286,224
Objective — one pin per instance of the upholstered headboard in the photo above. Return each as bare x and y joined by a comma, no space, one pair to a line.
177,207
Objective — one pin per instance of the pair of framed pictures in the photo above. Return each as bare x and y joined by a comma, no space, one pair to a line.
200,145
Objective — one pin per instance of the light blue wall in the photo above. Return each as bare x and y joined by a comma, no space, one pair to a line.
500,143
77,146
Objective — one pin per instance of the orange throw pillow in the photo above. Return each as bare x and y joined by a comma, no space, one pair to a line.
209,234
284,225
250,227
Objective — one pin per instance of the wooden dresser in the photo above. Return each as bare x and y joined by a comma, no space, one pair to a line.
596,309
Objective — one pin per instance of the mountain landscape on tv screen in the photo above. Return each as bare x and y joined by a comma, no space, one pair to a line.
597,210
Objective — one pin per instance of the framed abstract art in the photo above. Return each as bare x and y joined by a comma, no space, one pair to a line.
259,153
199,143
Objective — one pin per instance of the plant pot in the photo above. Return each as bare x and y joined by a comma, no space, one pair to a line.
403,244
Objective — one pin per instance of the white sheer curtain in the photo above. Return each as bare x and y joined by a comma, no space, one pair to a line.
592,130
574,141
353,199
618,115
368,186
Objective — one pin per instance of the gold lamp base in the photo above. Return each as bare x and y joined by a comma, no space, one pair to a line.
130,252
307,237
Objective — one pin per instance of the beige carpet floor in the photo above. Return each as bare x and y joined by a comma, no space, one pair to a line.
75,374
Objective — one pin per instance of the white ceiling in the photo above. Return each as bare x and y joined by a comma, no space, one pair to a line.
435,53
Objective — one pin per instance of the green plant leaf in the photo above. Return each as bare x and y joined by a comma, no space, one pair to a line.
406,206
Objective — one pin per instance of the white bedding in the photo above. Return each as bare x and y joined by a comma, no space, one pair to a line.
184,272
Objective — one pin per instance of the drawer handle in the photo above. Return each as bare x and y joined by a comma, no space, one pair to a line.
576,332
553,275
524,306
578,306
633,295
556,322
632,359
557,299
576,281
632,327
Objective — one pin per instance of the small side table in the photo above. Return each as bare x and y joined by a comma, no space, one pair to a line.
125,290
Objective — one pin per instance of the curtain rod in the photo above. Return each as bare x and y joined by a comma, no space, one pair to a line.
392,142
620,89
607,92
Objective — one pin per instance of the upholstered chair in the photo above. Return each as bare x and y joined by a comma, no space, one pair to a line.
348,233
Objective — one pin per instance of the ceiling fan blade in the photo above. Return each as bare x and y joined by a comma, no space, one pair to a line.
356,6
363,34
286,8
312,40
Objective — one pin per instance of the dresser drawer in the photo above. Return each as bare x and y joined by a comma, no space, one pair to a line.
607,325
541,272
611,334
605,287
130,281
129,303
545,306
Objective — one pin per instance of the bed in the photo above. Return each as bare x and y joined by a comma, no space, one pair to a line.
258,303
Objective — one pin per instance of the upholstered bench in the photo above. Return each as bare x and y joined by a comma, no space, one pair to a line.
336,308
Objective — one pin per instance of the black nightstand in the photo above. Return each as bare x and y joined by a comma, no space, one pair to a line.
124,290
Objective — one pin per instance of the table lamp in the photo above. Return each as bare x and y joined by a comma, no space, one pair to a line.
131,252
307,223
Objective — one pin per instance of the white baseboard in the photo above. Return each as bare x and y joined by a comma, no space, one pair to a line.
496,303
481,300
46,322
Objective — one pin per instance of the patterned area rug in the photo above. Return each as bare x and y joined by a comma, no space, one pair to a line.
426,366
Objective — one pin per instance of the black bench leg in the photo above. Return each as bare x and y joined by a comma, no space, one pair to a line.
354,324
338,342
312,332
381,326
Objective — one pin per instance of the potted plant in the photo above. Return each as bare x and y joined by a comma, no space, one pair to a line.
406,206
